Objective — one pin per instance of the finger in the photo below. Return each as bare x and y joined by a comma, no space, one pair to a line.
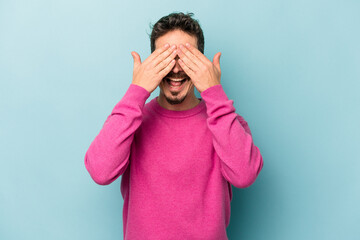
164,55
216,60
137,59
190,56
167,69
187,70
189,63
157,52
165,62
197,53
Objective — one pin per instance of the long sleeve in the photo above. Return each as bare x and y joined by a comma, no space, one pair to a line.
241,161
108,155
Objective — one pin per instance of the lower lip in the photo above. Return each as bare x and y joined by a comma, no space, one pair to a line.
176,88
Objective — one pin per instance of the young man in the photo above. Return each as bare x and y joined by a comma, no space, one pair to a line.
178,155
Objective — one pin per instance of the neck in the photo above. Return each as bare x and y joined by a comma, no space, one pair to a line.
189,102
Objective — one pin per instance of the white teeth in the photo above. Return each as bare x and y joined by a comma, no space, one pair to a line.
176,80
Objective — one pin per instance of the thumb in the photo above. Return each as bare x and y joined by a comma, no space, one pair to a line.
136,57
216,60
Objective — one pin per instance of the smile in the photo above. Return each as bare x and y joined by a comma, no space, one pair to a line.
176,82
176,79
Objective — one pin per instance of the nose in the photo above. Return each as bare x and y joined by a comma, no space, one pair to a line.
177,68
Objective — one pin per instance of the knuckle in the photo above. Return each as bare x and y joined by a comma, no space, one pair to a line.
162,64
166,64
168,67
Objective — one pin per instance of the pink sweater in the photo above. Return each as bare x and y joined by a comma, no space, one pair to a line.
176,166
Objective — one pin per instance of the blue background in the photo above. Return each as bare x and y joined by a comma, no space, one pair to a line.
291,67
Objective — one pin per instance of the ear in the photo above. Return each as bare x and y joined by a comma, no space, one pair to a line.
216,60
137,59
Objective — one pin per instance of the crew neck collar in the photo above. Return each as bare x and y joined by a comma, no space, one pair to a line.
177,114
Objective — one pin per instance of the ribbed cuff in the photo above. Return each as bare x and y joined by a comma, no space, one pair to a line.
215,92
217,102
135,95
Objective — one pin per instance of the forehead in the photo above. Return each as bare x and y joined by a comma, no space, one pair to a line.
176,37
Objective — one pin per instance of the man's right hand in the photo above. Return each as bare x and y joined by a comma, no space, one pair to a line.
149,73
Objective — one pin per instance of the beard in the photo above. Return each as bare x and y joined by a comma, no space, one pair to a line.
176,100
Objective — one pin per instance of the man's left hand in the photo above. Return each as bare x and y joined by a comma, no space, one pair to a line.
203,73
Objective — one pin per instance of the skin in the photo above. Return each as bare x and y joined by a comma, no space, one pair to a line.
176,56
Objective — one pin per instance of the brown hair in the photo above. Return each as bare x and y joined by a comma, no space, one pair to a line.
177,21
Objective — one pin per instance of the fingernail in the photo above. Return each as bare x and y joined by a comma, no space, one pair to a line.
187,44
167,45
173,46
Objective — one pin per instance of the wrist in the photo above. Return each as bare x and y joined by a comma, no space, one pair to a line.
137,84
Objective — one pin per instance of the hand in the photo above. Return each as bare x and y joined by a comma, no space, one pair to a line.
149,73
202,71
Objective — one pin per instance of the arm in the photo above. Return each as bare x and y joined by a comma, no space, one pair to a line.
108,155
241,161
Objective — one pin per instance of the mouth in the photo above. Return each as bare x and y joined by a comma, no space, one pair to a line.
176,83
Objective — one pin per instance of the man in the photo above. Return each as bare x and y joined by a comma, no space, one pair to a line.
178,155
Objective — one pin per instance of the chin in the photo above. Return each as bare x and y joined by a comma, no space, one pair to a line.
174,101
175,94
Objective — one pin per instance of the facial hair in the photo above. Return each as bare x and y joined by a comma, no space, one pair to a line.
175,101
178,75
